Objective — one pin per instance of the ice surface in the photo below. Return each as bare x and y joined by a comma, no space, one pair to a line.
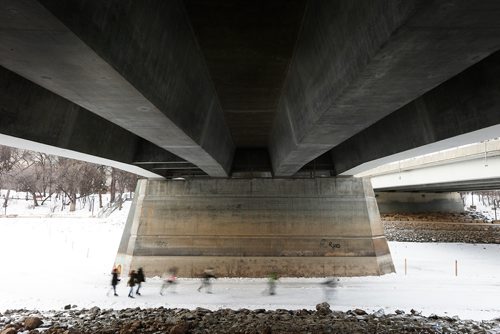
47,263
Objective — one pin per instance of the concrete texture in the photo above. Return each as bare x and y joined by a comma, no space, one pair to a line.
251,227
247,46
37,119
478,184
290,79
476,174
136,65
484,150
467,103
405,202
356,62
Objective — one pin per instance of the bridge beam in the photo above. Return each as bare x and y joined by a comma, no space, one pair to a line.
356,62
134,63
36,119
461,111
481,173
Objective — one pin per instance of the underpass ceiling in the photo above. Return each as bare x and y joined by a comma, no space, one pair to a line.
233,59
248,46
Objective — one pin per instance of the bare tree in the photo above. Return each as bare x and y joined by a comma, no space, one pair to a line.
6,164
41,175
131,183
101,182
10,159
125,181
77,179
45,167
112,185
26,180
35,175
68,179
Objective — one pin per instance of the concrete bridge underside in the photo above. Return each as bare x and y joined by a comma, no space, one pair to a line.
469,168
433,182
239,90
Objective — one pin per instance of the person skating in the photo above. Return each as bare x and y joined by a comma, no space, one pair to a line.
329,287
139,279
206,283
114,280
169,280
131,282
271,282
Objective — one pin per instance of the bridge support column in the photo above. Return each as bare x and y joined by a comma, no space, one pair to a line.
252,227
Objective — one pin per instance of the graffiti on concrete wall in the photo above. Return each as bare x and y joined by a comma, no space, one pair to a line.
329,243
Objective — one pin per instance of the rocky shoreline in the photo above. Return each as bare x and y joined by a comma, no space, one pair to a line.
182,321
466,227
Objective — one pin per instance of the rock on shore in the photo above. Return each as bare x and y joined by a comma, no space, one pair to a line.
181,321
440,227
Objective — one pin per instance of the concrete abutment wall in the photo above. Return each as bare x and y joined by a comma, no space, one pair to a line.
406,202
252,227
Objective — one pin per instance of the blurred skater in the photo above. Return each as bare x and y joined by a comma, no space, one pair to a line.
131,282
329,287
139,279
271,283
114,280
206,282
169,280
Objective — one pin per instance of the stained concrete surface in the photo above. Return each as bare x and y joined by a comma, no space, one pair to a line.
251,227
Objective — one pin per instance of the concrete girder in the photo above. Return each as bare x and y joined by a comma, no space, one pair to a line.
356,62
37,119
470,175
460,111
458,186
133,63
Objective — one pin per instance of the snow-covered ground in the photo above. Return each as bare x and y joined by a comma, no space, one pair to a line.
20,204
485,208
47,263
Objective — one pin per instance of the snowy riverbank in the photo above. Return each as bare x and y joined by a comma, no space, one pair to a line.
49,263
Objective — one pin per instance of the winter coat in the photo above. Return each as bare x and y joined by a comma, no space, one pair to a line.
132,279
140,276
115,279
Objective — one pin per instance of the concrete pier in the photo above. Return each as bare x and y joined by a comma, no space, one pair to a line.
252,227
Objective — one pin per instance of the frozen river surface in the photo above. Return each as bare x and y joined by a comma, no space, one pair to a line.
47,263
